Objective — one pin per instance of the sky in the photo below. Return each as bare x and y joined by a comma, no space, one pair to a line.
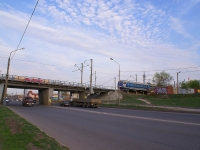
140,35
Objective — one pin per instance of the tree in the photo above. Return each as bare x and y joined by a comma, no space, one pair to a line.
191,84
162,78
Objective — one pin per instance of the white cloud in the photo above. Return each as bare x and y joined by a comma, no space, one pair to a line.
97,30
177,25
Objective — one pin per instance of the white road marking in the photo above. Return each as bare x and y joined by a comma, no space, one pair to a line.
128,116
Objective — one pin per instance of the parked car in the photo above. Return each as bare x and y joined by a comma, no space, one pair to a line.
6,99
64,103
28,101
34,100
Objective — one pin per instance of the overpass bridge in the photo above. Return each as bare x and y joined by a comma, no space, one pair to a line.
46,87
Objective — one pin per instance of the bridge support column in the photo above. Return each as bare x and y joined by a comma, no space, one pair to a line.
59,95
1,93
44,96
25,92
82,95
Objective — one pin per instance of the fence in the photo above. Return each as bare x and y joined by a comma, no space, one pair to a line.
172,90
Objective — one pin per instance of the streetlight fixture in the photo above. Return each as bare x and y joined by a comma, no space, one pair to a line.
177,80
119,67
7,74
119,77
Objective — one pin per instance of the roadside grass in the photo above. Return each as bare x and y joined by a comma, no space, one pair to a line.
128,99
132,99
127,106
18,134
176,100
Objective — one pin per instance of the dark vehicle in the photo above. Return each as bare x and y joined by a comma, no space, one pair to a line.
34,101
6,99
93,103
64,103
28,101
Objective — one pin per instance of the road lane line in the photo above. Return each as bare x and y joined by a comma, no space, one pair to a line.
128,116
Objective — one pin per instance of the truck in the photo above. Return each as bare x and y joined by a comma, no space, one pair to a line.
92,103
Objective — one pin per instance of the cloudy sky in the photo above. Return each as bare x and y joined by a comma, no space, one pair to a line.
140,35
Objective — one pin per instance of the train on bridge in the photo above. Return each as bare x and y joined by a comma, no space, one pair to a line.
135,86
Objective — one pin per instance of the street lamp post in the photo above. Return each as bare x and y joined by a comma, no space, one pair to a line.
119,77
177,81
119,67
7,74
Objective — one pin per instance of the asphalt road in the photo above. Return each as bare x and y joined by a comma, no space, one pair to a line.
114,129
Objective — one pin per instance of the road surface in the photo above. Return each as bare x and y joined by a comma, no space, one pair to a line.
114,129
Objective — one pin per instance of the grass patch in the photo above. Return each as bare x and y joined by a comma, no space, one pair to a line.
177,100
129,99
18,134
132,99
129,106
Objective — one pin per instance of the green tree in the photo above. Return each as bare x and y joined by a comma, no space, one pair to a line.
162,78
184,85
191,84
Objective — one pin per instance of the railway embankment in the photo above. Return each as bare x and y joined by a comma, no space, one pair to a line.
175,102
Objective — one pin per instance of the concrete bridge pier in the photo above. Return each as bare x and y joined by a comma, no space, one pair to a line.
59,95
1,93
45,95
25,92
82,95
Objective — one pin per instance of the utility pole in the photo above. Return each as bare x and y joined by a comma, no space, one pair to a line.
91,66
91,91
136,77
144,78
95,78
6,83
7,74
115,83
177,81
81,73
81,69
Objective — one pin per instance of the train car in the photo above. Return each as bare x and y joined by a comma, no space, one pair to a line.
46,81
126,85
21,78
27,79
33,80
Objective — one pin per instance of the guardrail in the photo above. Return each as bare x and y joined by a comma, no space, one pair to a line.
51,82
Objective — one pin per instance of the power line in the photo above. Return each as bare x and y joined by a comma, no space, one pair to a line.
36,63
108,81
25,29
161,70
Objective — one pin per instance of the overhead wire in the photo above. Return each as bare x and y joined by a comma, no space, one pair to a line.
108,81
25,29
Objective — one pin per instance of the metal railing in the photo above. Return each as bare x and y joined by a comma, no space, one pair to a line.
51,82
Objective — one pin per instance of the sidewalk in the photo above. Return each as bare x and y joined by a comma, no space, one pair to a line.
192,110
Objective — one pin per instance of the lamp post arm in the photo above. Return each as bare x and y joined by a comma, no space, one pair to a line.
119,67
7,75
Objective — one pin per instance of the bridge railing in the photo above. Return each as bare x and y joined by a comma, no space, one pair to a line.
50,82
